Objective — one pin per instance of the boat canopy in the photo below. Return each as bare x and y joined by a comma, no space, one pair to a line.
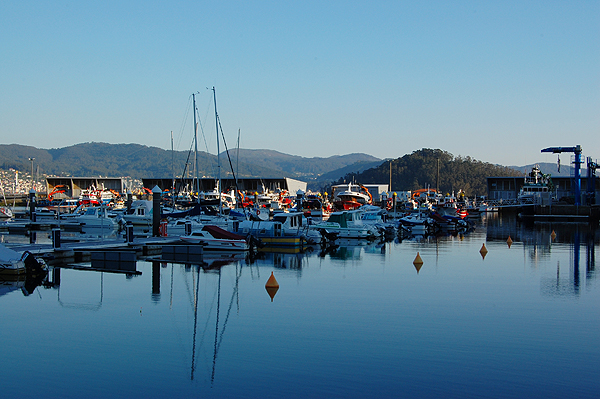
218,232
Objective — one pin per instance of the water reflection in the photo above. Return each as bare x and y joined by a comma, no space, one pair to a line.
27,283
539,239
208,325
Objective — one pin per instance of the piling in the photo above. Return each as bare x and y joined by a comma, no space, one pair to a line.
32,215
129,200
56,238
129,232
156,197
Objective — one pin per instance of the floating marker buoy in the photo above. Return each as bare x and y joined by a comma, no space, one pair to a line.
483,251
509,241
272,286
272,282
553,235
418,260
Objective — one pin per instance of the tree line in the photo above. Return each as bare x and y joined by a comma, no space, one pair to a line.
432,168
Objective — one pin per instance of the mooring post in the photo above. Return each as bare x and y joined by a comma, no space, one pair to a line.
56,238
299,198
129,232
129,200
156,197
32,215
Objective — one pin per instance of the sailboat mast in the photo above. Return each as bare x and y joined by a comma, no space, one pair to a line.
172,171
196,152
218,153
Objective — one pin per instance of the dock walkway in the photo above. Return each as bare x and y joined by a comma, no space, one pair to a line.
80,251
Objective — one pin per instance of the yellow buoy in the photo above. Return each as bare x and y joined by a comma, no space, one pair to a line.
553,235
272,286
509,241
483,251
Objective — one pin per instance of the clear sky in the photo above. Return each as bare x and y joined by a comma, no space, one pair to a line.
493,80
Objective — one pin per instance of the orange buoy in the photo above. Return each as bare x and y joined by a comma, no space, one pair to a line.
418,262
553,235
509,241
272,282
483,251
272,286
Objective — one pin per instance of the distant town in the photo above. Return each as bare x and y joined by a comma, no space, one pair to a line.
19,183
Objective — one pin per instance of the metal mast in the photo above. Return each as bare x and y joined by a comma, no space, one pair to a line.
196,152
218,152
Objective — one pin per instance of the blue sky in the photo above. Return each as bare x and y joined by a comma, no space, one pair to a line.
496,81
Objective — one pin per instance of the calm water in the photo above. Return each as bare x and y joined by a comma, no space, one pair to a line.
361,322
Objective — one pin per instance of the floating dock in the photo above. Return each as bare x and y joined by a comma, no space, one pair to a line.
560,213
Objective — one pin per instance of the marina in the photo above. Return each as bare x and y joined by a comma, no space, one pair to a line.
388,200
360,320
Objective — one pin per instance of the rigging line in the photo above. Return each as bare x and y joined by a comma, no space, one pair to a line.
184,121
206,325
212,167
187,162
195,323
233,296
212,377
237,189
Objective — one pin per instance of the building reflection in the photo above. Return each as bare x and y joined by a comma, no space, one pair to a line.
538,241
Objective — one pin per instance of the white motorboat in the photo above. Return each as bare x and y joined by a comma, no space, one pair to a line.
215,238
5,212
98,217
11,262
346,224
286,229
140,213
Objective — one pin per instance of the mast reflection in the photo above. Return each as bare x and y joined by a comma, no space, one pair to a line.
538,239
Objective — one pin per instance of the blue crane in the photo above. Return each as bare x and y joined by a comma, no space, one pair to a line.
577,151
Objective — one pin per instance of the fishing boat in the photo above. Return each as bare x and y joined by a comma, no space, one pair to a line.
315,207
216,238
536,187
353,197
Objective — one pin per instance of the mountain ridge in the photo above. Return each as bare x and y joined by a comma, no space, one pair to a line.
140,161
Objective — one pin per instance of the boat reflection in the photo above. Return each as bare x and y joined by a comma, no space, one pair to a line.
27,282
352,249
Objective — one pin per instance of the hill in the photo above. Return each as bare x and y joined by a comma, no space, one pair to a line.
139,161
549,168
433,168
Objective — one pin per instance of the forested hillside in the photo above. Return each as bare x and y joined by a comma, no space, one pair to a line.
433,168
139,161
